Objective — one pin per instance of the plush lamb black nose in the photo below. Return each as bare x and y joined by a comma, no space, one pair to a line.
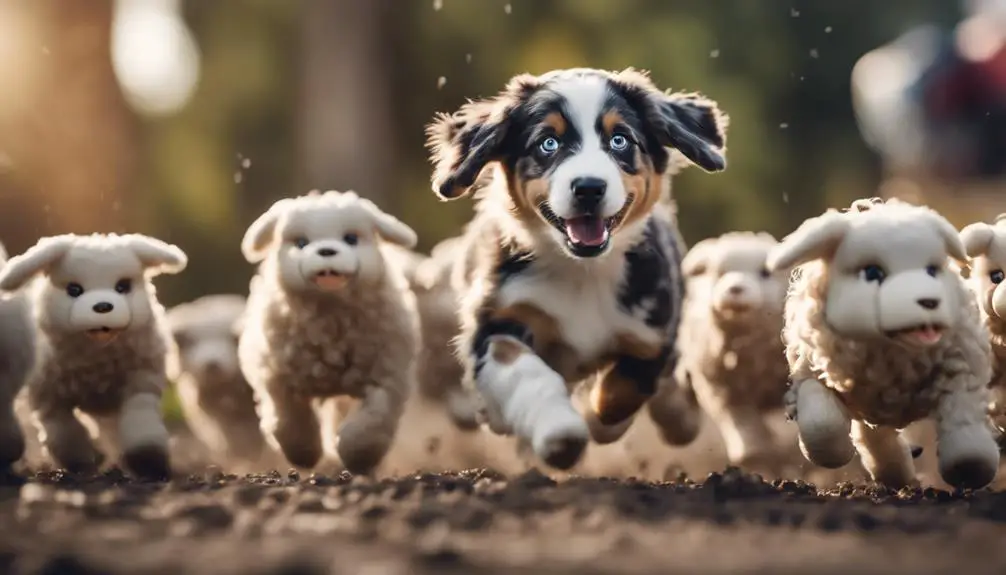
736,290
102,307
326,252
929,303
588,193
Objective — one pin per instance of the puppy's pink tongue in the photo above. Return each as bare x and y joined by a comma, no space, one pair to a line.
586,230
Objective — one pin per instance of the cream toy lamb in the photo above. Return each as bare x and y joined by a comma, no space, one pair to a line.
880,333
17,352
102,346
730,342
986,244
218,404
327,318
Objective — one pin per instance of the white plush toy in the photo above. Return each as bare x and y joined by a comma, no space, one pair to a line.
329,319
102,346
879,334
17,353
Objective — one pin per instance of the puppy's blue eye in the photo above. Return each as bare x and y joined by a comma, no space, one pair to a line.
351,239
997,276
618,142
932,270
124,286
873,273
548,146
74,290
300,242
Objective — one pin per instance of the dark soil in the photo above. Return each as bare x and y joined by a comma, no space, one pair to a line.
480,522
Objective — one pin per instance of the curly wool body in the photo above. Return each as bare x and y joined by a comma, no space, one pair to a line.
17,354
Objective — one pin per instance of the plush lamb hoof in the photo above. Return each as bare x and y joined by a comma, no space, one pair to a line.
361,455
561,441
824,428
676,414
968,457
605,434
148,462
463,410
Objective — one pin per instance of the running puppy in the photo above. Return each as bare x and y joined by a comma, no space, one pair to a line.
573,255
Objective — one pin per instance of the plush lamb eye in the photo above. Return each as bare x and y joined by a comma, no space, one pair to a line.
300,242
124,286
351,239
548,146
74,289
618,142
932,270
997,276
873,273
764,273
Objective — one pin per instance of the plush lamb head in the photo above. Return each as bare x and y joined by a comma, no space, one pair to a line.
206,332
96,284
323,241
987,245
731,270
887,271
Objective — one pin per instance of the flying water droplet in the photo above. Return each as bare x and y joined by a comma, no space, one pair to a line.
441,82
813,53
793,12
508,8
783,126
438,4
827,30
246,163
715,53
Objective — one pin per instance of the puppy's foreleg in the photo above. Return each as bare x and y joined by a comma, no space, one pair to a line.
531,399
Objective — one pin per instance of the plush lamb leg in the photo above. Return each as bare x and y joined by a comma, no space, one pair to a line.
675,411
290,425
749,441
824,426
66,439
885,455
367,433
965,447
143,436
528,397
12,440
463,409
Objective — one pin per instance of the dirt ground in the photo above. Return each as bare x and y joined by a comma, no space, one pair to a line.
479,521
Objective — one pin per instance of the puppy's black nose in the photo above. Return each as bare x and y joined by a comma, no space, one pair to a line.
929,303
326,252
588,193
102,307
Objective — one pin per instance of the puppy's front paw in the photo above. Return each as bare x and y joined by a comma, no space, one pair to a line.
560,438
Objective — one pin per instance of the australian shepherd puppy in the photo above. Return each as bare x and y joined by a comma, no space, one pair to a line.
571,271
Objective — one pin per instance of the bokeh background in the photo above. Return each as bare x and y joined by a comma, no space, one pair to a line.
186,119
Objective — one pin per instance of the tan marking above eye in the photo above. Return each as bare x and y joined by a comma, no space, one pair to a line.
611,120
555,121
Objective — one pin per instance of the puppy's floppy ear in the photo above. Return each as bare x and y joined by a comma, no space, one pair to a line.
391,228
157,257
695,126
463,143
38,259
260,234
815,238
977,238
696,261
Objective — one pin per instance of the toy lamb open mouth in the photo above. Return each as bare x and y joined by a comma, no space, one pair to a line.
330,280
103,334
921,334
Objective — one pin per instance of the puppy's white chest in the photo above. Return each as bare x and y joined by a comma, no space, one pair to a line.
585,310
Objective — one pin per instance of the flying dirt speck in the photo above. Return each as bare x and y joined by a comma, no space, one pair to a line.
441,82
508,8
246,163
783,126
715,53
827,30
813,53
793,12
438,4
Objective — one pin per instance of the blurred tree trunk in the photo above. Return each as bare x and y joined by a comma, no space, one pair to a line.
66,135
347,137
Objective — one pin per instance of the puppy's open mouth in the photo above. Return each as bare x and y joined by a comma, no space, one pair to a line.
103,334
586,235
329,280
923,334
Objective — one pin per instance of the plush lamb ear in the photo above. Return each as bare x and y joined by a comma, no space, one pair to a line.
977,238
951,238
462,144
815,238
391,228
696,261
260,234
3,254
157,256
38,259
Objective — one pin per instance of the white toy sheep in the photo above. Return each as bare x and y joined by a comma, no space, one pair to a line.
879,334
986,244
730,340
217,402
328,319
102,346
17,353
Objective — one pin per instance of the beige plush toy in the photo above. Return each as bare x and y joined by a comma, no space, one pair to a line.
879,334
329,319
17,353
986,244
102,346
217,402
730,342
